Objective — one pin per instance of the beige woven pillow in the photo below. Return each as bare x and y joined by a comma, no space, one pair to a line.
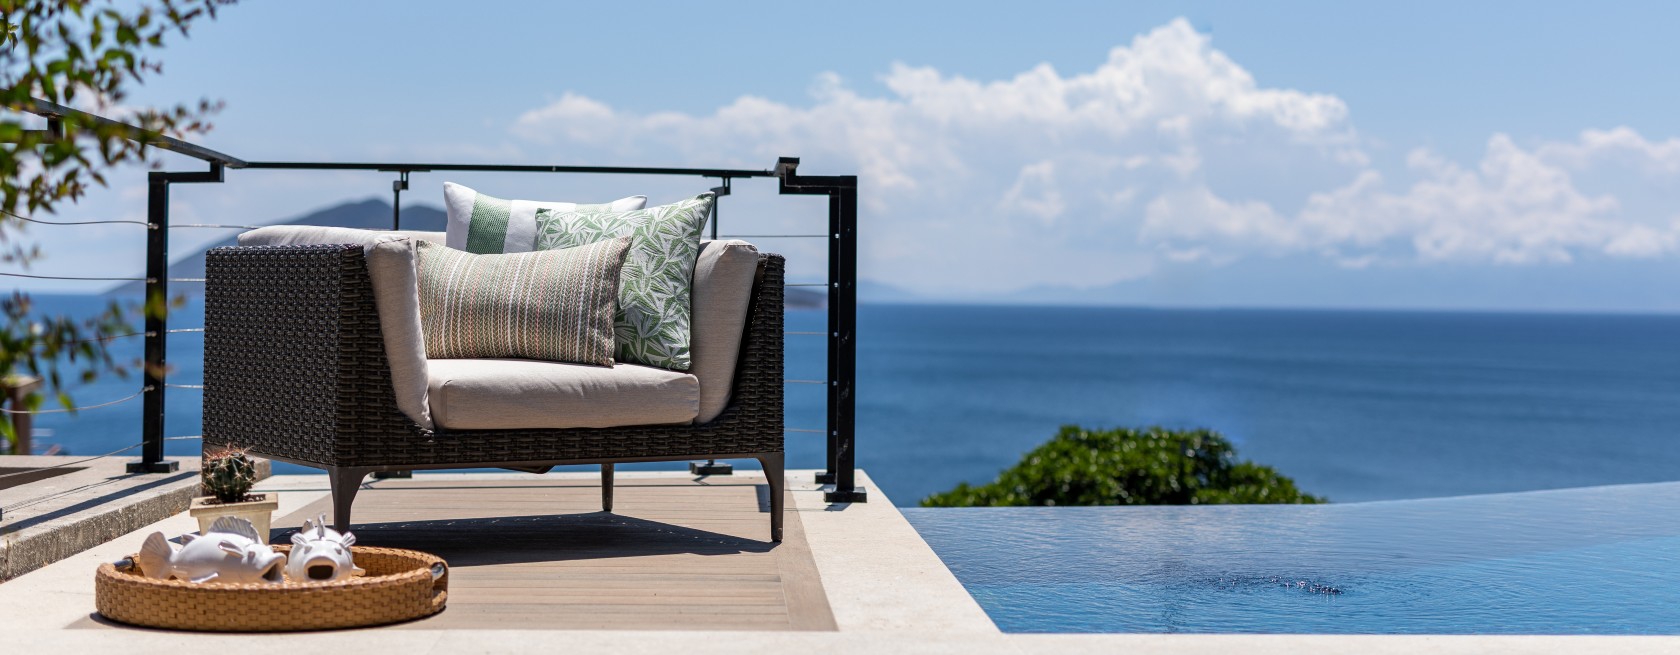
556,305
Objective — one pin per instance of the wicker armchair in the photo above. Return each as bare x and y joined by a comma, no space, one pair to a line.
296,370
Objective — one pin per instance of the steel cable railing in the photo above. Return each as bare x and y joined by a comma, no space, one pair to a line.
841,191
67,410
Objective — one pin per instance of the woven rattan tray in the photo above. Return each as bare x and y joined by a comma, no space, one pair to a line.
399,585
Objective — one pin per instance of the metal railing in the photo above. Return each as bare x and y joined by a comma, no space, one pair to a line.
841,287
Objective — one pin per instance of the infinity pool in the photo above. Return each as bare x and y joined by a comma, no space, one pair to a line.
1600,560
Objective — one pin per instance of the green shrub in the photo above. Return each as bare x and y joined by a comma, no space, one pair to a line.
1126,466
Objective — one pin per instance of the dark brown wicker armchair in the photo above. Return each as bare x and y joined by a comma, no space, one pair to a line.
295,369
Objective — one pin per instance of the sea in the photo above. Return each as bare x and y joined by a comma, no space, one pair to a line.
1354,405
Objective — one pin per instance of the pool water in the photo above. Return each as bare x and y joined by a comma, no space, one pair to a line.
1599,560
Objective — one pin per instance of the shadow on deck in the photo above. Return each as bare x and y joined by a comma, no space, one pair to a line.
676,553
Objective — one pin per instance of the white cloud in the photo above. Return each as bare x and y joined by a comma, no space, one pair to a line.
1040,178
1515,207
1621,145
1169,150
1035,193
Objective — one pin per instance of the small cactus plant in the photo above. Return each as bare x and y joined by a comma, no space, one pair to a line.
228,475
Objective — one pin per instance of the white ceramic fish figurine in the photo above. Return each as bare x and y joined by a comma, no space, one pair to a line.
231,552
320,553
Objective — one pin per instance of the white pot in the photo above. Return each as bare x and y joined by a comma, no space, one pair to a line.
259,512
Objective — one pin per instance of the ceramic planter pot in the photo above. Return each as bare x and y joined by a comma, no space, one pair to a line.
259,512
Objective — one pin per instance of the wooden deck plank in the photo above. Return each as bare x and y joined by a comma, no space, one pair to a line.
676,553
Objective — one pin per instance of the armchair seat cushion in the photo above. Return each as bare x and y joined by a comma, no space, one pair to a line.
509,394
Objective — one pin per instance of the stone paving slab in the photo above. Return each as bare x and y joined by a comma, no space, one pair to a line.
51,518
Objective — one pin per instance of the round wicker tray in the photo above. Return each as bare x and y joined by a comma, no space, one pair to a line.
398,586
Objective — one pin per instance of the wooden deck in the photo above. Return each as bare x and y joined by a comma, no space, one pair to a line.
675,553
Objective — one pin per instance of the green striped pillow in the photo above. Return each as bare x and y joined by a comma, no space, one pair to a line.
488,225
554,304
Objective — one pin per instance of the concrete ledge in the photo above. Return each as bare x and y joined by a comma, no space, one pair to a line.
50,519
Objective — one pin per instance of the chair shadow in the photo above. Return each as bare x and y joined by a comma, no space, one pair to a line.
544,538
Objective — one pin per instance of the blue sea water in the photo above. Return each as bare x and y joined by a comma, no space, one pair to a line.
1353,405
1600,560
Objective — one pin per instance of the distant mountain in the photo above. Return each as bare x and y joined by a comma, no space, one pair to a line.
375,214
869,292
371,214
804,298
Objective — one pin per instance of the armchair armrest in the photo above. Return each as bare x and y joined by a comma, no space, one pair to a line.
293,350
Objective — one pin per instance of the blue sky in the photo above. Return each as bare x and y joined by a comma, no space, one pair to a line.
1319,154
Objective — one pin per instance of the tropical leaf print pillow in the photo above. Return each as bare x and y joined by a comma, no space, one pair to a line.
652,324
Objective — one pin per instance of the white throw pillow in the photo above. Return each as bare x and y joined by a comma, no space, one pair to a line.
487,225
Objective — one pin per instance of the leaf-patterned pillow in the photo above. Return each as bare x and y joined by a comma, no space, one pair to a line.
652,324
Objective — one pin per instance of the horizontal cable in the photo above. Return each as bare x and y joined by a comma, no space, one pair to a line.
774,236
191,437
805,334
67,277
804,381
186,279
37,220
66,411
804,430
213,226
184,386
178,330
108,337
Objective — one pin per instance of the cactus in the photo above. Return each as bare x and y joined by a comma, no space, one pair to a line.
228,475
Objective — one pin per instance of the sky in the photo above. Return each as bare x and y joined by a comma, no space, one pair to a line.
1418,155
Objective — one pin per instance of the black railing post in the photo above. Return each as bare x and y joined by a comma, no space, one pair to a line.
397,187
843,303
157,316
842,324
157,327
836,253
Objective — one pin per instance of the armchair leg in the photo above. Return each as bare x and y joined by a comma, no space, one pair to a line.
606,487
345,483
772,463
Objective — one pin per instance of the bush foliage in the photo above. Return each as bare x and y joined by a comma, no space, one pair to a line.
1127,466
87,54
